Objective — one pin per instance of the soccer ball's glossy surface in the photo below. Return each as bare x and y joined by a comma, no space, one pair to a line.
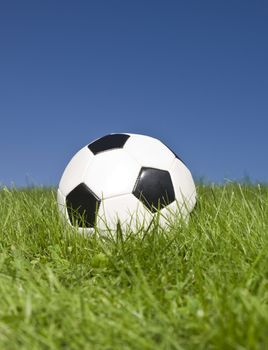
126,179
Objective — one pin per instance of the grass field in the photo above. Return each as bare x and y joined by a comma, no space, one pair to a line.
201,286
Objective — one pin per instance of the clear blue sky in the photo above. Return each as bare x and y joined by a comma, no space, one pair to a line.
192,73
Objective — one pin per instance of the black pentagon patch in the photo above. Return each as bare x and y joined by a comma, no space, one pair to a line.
154,188
82,206
108,142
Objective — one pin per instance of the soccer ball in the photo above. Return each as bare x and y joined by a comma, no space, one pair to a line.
125,179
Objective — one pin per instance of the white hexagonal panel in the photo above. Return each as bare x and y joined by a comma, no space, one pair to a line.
173,212
127,210
184,187
112,173
62,204
149,152
74,172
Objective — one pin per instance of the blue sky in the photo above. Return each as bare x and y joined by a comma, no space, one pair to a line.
192,73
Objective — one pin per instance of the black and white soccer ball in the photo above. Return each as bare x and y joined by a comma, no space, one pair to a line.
126,179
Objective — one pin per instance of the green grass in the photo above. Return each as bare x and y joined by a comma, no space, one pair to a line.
201,286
